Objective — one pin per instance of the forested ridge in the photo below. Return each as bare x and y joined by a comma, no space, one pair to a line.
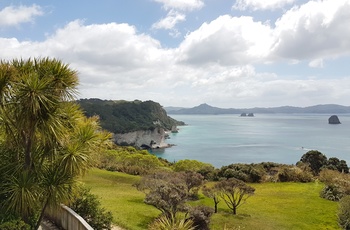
128,116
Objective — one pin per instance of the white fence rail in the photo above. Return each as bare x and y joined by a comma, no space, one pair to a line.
67,219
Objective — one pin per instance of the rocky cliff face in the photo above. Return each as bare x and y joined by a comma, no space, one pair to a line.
151,138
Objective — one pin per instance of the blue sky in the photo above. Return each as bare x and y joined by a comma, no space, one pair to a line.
227,53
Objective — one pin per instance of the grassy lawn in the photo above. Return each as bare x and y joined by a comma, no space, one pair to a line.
121,198
279,206
274,205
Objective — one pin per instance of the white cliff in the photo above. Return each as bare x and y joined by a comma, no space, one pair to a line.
152,138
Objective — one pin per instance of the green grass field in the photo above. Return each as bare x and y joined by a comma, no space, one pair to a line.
274,205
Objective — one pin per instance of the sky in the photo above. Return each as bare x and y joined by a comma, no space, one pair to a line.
226,53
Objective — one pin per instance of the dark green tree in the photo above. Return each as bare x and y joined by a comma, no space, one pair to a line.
315,159
336,164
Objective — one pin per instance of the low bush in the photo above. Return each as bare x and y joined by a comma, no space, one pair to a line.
89,208
251,173
129,160
344,212
293,174
337,185
14,225
205,169
200,215
332,192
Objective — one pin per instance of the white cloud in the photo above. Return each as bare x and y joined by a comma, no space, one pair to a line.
316,63
227,41
317,29
173,17
101,53
13,16
175,14
261,4
183,5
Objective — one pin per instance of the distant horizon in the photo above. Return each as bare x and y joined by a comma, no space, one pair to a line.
170,106
258,106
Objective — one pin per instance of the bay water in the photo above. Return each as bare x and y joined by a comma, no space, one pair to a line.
282,138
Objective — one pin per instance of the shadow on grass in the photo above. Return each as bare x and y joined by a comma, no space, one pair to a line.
145,221
239,216
136,200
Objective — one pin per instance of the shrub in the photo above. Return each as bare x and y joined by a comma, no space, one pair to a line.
332,192
200,215
129,160
344,212
89,208
14,225
205,169
293,174
248,173
337,184
165,191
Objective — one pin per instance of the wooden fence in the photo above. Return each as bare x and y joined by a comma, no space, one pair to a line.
67,219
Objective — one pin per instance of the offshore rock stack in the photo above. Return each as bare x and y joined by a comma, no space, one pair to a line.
333,120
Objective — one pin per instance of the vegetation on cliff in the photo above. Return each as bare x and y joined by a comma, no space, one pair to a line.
128,116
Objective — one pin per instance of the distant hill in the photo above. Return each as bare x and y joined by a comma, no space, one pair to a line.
207,109
128,116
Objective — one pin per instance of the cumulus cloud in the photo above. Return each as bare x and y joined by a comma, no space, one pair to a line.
313,31
176,14
122,53
173,17
317,29
183,5
227,41
261,4
13,16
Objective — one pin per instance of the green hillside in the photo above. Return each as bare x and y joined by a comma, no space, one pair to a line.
128,116
274,206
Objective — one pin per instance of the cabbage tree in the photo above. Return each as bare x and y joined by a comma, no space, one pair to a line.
45,140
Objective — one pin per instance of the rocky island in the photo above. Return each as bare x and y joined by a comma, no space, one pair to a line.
334,120
247,115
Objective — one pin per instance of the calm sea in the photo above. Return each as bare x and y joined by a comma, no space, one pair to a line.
226,139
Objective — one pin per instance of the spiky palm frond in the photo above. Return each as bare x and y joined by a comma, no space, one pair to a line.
21,191
174,222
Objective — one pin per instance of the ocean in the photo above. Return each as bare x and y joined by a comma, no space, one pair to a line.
282,138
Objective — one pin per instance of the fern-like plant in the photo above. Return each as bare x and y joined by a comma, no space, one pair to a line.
174,222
